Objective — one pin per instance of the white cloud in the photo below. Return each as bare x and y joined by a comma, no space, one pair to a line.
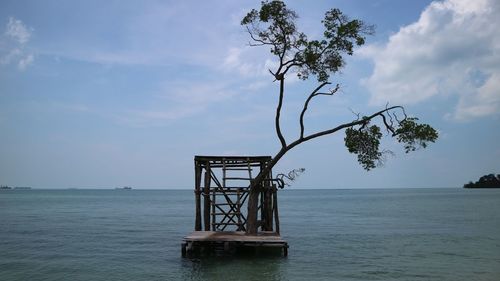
25,61
257,85
484,102
10,56
13,48
18,31
452,50
248,62
254,63
233,57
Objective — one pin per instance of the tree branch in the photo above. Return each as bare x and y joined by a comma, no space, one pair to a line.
285,43
346,125
262,42
389,127
291,65
304,109
289,61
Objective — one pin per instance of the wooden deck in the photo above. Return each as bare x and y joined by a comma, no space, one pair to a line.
230,241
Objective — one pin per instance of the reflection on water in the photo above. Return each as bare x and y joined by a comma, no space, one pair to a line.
234,268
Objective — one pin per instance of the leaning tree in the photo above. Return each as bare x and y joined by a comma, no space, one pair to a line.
274,26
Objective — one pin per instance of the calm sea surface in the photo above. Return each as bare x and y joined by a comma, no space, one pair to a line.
371,234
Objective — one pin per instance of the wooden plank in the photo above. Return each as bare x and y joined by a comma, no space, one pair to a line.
222,192
236,165
223,172
222,210
206,213
238,207
225,213
232,157
234,236
213,202
236,169
267,210
237,178
197,191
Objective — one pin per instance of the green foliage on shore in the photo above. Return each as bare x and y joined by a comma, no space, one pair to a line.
486,181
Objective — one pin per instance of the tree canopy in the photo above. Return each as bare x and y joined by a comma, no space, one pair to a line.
274,25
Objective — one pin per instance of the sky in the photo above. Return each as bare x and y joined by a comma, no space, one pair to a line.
104,94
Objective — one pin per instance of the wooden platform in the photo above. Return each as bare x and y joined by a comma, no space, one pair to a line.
221,242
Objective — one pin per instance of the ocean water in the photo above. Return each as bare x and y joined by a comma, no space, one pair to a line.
362,234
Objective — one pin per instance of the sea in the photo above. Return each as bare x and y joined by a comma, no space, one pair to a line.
333,234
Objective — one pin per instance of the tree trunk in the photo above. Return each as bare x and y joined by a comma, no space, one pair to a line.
253,205
255,188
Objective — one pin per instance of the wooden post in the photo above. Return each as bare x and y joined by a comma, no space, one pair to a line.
269,208
238,208
263,210
206,211
197,192
213,204
253,202
263,218
275,208
270,191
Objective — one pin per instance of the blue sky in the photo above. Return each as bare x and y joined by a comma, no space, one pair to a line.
101,94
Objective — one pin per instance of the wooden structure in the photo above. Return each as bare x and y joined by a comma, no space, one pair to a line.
222,186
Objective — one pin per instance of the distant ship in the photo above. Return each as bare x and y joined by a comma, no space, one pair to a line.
5,187
125,187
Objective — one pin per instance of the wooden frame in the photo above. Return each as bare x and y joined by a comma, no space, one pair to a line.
225,189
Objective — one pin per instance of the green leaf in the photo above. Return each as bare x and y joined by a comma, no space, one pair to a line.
414,135
365,143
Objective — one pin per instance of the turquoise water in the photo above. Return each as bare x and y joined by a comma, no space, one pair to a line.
370,234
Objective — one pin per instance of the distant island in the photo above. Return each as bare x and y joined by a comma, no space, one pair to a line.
17,187
487,181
